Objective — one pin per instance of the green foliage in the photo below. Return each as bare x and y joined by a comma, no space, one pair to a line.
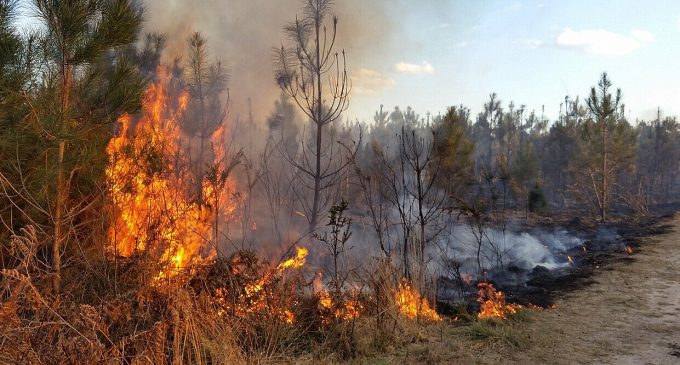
524,171
606,149
658,155
66,84
454,150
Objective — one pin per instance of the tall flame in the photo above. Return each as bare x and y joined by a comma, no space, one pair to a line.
149,179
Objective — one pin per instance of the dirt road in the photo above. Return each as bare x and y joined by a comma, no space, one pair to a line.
630,315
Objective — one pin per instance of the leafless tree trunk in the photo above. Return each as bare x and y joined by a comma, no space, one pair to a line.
299,73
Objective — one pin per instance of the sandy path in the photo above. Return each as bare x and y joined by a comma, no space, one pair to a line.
630,315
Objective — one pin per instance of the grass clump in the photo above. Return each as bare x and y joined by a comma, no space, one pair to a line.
495,332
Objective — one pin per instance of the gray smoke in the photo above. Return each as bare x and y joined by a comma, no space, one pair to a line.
508,256
242,33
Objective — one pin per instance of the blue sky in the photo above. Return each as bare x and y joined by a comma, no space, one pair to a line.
431,54
532,52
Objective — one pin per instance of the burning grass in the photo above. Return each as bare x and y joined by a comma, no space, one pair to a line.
412,305
492,303
163,291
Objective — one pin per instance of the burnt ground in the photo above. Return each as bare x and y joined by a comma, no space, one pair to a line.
599,251
612,308
629,313
603,245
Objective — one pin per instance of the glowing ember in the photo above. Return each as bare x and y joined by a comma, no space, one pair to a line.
149,181
492,303
411,305
629,249
570,259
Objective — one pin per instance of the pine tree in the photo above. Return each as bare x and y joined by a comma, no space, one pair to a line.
314,75
607,148
87,85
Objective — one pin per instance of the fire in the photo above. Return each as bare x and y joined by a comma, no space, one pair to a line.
348,310
535,307
629,249
149,184
570,259
411,305
292,263
256,299
492,303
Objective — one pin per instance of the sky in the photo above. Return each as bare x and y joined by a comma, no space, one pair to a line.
532,52
432,54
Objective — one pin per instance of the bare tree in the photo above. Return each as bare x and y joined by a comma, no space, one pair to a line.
407,181
420,171
300,71
373,192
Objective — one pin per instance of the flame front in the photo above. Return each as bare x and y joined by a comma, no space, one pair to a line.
149,183
256,299
292,263
411,305
345,309
492,303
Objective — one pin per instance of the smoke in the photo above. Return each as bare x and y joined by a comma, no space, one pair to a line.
508,256
242,34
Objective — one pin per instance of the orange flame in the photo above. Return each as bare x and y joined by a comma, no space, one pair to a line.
411,305
347,310
492,303
292,263
149,179
629,249
256,300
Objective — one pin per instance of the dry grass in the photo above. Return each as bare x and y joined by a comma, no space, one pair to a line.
122,319
111,313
